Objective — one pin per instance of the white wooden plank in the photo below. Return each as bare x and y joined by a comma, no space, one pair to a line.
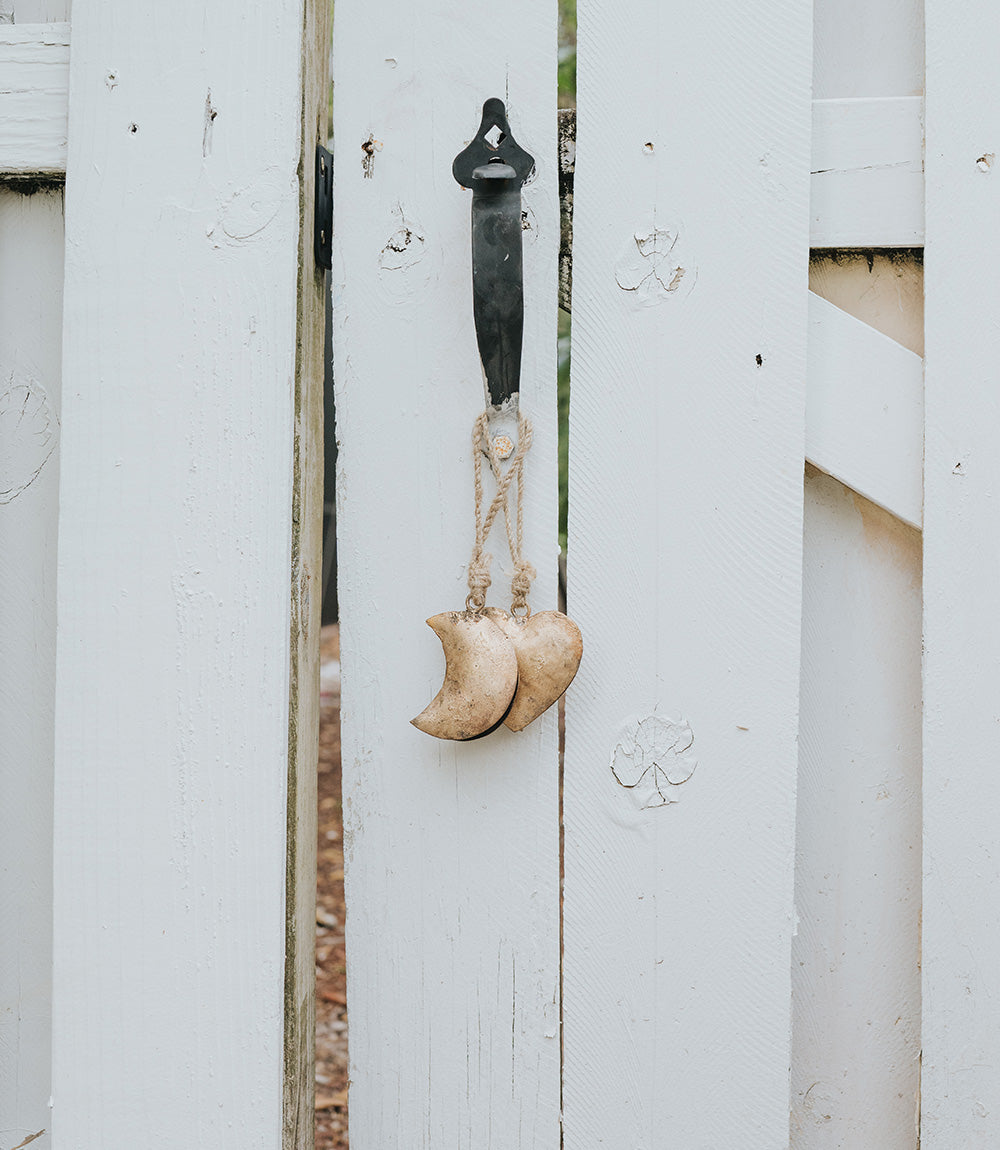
864,410
687,434
452,865
856,954
35,11
868,48
867,173
961,934
175,552
31,275
34,85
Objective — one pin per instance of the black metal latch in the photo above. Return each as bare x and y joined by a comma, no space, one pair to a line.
495,167
323,209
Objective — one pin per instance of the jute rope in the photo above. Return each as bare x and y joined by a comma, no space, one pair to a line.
479,564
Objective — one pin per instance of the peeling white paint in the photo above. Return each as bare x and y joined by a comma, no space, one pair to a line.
404,248
654,266
653,758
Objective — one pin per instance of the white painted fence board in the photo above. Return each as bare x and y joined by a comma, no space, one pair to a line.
35,11
687,436
172,712
868,48
451,849
855,969
34,85
867,173
864,410
31,275
961,933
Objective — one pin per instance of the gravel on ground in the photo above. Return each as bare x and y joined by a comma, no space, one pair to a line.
331,971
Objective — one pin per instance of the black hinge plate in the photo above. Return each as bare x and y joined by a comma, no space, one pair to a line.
323,222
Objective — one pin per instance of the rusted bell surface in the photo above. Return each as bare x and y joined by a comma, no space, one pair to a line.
480,677
549,647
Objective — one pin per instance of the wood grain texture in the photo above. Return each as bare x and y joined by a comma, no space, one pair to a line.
864,410
451,849
31,276
867,173
961,934
34,99
183,208
686,444
306,600
856,953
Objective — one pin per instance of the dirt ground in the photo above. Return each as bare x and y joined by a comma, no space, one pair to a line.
331,1000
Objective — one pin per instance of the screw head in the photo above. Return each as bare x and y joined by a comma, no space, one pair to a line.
503,446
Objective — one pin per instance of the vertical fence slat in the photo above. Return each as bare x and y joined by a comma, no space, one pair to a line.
451,849
44,11
182,339
689,318
31,259
866,48
961,932
856,954
31,277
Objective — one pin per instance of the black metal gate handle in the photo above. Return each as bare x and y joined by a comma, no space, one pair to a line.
495,167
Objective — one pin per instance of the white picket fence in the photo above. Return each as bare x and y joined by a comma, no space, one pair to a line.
776,929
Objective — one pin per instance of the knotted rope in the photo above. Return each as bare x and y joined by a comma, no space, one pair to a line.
479,563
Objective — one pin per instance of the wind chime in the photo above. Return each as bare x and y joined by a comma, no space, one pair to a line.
502,668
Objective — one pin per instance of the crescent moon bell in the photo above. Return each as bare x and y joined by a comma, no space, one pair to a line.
480,677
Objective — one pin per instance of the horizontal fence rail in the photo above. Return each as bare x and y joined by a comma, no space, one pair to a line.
34,99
